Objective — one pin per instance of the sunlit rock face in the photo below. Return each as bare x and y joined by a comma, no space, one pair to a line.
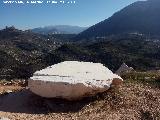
72,80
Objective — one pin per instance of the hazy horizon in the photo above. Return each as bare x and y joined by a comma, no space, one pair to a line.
42,26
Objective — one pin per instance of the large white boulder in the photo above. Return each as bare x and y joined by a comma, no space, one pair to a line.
72,80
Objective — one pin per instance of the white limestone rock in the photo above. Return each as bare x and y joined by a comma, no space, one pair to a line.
72,80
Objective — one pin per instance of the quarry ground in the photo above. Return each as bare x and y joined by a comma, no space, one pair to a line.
138,98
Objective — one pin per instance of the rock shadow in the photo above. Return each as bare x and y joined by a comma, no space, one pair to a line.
26,102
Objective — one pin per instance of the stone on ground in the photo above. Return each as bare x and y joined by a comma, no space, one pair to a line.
72,80
124,69
3,118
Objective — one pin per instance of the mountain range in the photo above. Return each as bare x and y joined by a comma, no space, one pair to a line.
59,29
141,17
131,35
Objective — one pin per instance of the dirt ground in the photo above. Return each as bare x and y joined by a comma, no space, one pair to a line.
128,102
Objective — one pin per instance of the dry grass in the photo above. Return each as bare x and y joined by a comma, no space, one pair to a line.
136,99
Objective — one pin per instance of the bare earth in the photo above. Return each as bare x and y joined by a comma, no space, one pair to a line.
129,102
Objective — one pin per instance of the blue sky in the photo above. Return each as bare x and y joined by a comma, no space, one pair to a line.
82,13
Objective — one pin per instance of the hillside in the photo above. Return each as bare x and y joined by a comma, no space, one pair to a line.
22,52
140,17
139,52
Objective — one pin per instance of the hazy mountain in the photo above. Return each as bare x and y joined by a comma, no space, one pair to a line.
59,29
139,17
45,30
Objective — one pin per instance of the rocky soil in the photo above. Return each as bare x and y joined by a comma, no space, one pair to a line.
131,101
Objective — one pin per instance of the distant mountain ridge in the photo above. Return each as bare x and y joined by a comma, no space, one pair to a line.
139,17
59,29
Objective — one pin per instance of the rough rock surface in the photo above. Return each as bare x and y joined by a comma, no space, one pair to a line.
124,69
72,80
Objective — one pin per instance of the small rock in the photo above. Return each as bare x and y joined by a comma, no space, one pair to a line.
3,118
124,69
9,91
6,92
